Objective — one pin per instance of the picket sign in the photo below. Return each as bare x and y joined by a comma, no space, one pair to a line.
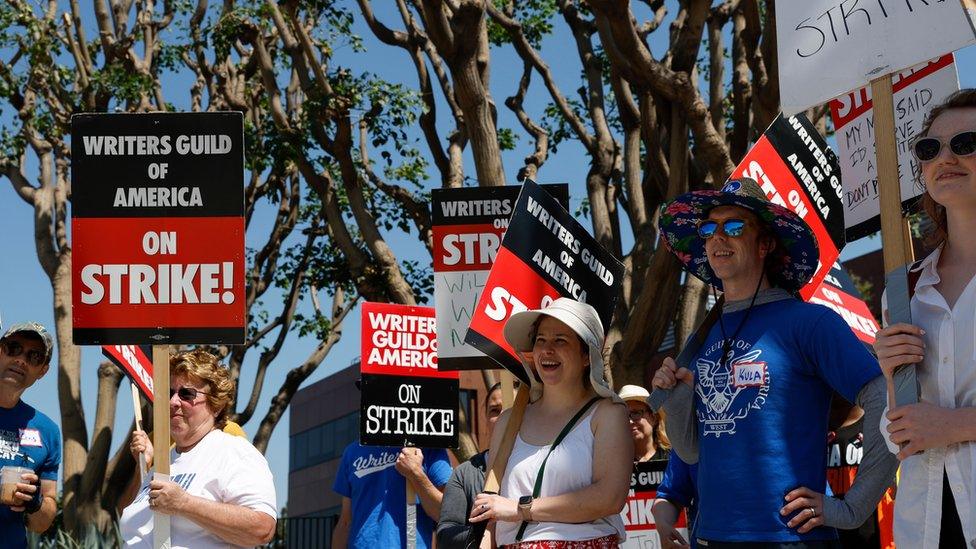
818,61
157,234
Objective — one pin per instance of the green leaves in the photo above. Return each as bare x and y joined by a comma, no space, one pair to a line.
535,17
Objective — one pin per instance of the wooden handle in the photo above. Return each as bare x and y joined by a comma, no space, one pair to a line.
499,457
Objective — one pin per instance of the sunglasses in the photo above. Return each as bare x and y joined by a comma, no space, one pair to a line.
13,348
187,394
636,415
732,227
927,149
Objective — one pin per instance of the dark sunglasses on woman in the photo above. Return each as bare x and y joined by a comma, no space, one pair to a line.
927,149
732,227
187,394
13,348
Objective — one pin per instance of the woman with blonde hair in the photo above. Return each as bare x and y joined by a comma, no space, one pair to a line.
936,501
567,478
220,492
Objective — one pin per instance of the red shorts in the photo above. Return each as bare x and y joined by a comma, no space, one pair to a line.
606,542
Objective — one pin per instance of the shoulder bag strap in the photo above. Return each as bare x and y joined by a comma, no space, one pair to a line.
542,468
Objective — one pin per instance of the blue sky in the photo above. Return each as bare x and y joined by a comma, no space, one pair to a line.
25,292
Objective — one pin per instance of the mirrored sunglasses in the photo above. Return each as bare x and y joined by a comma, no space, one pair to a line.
14,348
187,394
927,149
732,227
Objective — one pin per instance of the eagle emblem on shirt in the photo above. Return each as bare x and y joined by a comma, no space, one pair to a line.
728,391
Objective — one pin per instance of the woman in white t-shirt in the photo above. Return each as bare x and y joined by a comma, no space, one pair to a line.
587,476
220,492
936,501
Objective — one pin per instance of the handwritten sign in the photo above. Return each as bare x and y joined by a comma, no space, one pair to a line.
829,47
916,91
468,225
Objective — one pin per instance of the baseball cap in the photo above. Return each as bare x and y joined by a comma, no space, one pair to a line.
37,329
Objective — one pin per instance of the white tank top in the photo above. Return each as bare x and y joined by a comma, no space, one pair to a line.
570,468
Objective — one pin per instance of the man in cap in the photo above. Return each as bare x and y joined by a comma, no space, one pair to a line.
28,438
752,411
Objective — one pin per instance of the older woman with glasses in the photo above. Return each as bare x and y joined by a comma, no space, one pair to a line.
221,493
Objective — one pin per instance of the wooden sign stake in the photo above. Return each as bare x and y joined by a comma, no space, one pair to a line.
137,408
508,389
161,438
896,242
499,458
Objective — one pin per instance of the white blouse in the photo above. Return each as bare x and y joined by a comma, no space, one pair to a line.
947,377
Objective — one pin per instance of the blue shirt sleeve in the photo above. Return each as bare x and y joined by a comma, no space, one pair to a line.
342,486
839,356
438,466
52,461
677,485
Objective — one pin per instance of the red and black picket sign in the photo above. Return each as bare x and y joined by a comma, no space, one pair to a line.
406,400
798,170
136,362
468,224
546,254
838,292
157,228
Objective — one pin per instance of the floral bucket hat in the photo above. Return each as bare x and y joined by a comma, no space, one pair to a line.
679,230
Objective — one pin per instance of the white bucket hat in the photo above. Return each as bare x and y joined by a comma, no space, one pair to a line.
583,320
634,392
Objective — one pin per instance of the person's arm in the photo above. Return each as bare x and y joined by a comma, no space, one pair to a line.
665,516
605,496
681,422
340,533
139,444
874,475
40,520
410,464
232,523
129,494
453,528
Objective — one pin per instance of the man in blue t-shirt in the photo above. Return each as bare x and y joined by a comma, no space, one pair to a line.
372,482
752,409
28,438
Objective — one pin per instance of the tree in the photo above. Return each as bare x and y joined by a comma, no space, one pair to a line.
341,159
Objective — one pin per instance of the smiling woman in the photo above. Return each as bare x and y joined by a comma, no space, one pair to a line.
221,493
569,471
936,494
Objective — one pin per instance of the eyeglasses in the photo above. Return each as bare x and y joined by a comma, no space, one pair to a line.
636,415
14,348
732,227
927,149
187,394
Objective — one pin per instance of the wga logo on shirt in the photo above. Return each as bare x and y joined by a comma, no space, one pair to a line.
729,391
367,465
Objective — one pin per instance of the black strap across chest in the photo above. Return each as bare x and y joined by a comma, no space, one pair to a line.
542,468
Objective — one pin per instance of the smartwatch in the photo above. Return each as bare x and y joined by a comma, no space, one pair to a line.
525,508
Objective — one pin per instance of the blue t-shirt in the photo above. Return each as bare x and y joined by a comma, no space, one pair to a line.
29,439
378,492
762,416
680,486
